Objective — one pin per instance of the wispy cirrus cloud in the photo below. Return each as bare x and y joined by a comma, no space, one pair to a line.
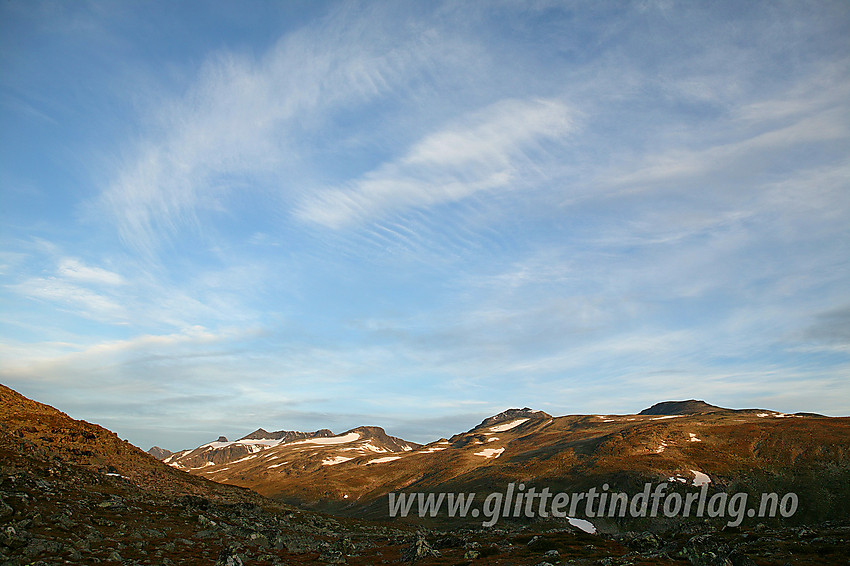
76,298
246,123
489,150
75,269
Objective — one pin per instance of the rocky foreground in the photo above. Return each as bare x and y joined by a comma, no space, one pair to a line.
54,513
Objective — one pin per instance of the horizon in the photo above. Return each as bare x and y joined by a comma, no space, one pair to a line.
460,431
232,438
323,214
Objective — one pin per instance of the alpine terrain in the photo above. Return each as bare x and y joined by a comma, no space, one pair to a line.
73,492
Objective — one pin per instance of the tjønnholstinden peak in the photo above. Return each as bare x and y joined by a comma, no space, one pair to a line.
692,406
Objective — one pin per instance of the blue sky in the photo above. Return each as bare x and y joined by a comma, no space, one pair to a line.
218,216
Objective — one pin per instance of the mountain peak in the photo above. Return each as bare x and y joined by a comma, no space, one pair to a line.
159,453
510,414
285,435
379,434
691,406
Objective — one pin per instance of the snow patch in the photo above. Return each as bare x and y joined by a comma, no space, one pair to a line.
369,446
490,452
665,417
336,460
661,447
248,457
693,438
700,478
382,460
495,438
507,426
432,449
350,437
278,465
216,445
582,524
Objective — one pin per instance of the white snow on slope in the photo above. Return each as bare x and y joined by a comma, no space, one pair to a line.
693,438
507,426
216,445
382,460
700,478
432,449
335,460
582,524
369,446
350,437
248,457
490,452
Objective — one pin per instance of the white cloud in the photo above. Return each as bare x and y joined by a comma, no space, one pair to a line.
72,297
245,124
92,363
682,163
491,149
76,270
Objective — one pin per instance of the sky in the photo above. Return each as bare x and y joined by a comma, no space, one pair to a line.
219,216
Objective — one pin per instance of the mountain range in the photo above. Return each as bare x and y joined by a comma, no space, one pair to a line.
689,442
71,491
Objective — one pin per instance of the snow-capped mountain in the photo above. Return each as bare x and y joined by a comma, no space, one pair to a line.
222,451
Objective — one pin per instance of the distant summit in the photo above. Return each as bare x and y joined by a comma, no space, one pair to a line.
511,414
160,453
689,407
286,435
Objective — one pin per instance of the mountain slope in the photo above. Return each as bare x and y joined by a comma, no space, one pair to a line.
760,451
39,431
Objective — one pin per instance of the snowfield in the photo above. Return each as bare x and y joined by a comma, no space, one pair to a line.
383,460
350,437
490,452
507,426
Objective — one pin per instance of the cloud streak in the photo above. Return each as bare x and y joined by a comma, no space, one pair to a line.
491,150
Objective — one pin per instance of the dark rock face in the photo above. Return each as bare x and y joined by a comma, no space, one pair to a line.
690,407
160,453
286,435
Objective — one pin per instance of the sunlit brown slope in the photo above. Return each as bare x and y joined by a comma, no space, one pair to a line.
752,449
36,430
